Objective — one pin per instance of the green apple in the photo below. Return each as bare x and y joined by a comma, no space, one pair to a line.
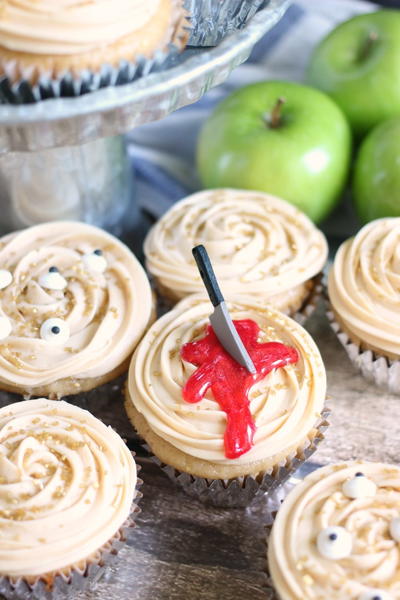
358,65
376,182
278,137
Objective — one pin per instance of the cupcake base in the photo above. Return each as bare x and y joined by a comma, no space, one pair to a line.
26,78
234,491
68,582
300,306
375,367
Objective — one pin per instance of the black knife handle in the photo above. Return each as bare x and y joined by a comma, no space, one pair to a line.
207,274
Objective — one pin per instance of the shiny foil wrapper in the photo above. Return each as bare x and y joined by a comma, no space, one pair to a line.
376,368
60,586
212,20
240,491
69,85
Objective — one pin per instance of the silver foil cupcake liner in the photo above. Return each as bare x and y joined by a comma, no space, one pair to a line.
64,586
240,491
212,20
382,371
69,85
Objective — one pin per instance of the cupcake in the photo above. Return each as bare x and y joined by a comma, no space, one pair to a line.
71,47
337,534
212,20
221,433
67,491
74,303
364,293
259,245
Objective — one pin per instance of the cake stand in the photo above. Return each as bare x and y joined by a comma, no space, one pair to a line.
65,158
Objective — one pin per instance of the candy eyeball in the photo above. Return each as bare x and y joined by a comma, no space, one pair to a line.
95,261
5,278
5,327
394,529
55,331
374,594
334,543
359,486
52,280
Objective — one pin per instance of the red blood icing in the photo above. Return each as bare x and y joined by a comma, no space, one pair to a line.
230,383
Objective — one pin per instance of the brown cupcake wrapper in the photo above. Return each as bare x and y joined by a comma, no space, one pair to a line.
212,21
375,367
165,303
311,302
57,585
69,84
240,491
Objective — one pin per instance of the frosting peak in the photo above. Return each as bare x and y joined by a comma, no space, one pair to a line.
364,285
67,483
62,27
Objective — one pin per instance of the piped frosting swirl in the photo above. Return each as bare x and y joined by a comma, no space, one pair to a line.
67,483
285,405
103,314
67,27
301,563
364,285
258,244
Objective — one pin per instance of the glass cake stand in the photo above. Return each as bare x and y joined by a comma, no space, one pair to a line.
65,158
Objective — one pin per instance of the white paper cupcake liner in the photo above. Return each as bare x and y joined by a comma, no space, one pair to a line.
240,491
65,586
69,85
212,20
376,368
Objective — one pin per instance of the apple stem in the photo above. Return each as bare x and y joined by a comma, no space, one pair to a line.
369,43
276,113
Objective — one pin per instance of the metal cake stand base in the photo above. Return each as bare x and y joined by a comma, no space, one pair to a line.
65,158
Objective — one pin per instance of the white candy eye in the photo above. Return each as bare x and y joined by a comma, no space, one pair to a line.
52,280
5,278
334,543
55,331
95,261
359,486
5,327
374,594
395,529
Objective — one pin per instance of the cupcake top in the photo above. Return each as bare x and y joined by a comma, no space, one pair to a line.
258,244
173,368
74,301
67,483
337,535
67,27
364,284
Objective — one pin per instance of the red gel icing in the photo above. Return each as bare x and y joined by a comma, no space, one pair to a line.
230,383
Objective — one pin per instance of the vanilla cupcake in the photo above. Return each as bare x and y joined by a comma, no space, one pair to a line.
67,491
225,442
212,20
70,47
259,245
337,534
74,303
364,293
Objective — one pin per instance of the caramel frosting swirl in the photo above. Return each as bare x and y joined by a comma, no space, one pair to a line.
285,405
258,244
67,483
364,285
371,567
66,27
100,314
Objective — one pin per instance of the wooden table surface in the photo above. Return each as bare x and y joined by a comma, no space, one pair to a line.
183,550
